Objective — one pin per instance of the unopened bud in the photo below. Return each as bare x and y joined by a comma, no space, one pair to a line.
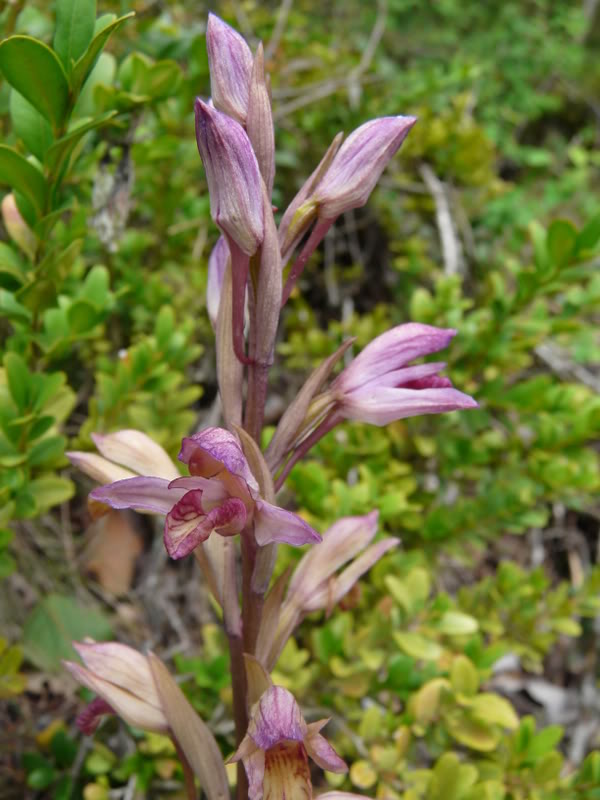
17,228
230,63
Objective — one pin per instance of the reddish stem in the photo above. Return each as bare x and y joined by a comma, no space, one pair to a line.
314,240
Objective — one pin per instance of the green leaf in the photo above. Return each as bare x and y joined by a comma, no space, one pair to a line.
562,236
47,451
75,21
10,264
472,733
18,173
455,623
84,66
55,623
495,710
418,646
10,308
50,491
464,676
30,125
61,149
34,70
19,380
543,742
589,235
96,287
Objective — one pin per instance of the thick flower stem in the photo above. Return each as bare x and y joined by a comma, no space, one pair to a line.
252,602
328,424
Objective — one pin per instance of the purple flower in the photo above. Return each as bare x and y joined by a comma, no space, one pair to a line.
230,62
378,387
358,164
276,747
122,679
220,495
233,176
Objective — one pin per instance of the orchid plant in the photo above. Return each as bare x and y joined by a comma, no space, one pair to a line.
225,510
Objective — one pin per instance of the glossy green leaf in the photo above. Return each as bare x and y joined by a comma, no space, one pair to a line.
10,308
62,149
455,623
495,710
589,236
75,20
19,174
31,126
19,380
86,63
34,70
49,491
56,622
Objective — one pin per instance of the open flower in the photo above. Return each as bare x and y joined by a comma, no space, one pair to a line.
277,745
378,387
221,494
123,681
315,586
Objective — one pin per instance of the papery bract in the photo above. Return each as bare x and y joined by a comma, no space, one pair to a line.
217,264
122,679
230,63
276,747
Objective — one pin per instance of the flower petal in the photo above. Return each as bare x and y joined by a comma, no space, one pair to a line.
274,524
88,719
147,494
187,524
98,468
323,754
385,405
209,452
390,351
137,451
276,717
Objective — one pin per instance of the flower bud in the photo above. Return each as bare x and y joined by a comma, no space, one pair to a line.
233,177
230,63
359,163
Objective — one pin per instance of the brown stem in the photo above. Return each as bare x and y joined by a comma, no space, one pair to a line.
188,774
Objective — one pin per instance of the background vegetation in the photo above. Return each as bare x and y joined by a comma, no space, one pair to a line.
465,666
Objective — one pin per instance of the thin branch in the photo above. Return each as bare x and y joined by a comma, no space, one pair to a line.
282,18
562,365
454,263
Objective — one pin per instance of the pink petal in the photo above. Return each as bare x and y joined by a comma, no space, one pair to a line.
209,452
405,377
213,490
87,720
147,494
382,406
390,351
187,525
274,524
277,717
323,754
137,451
255,772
